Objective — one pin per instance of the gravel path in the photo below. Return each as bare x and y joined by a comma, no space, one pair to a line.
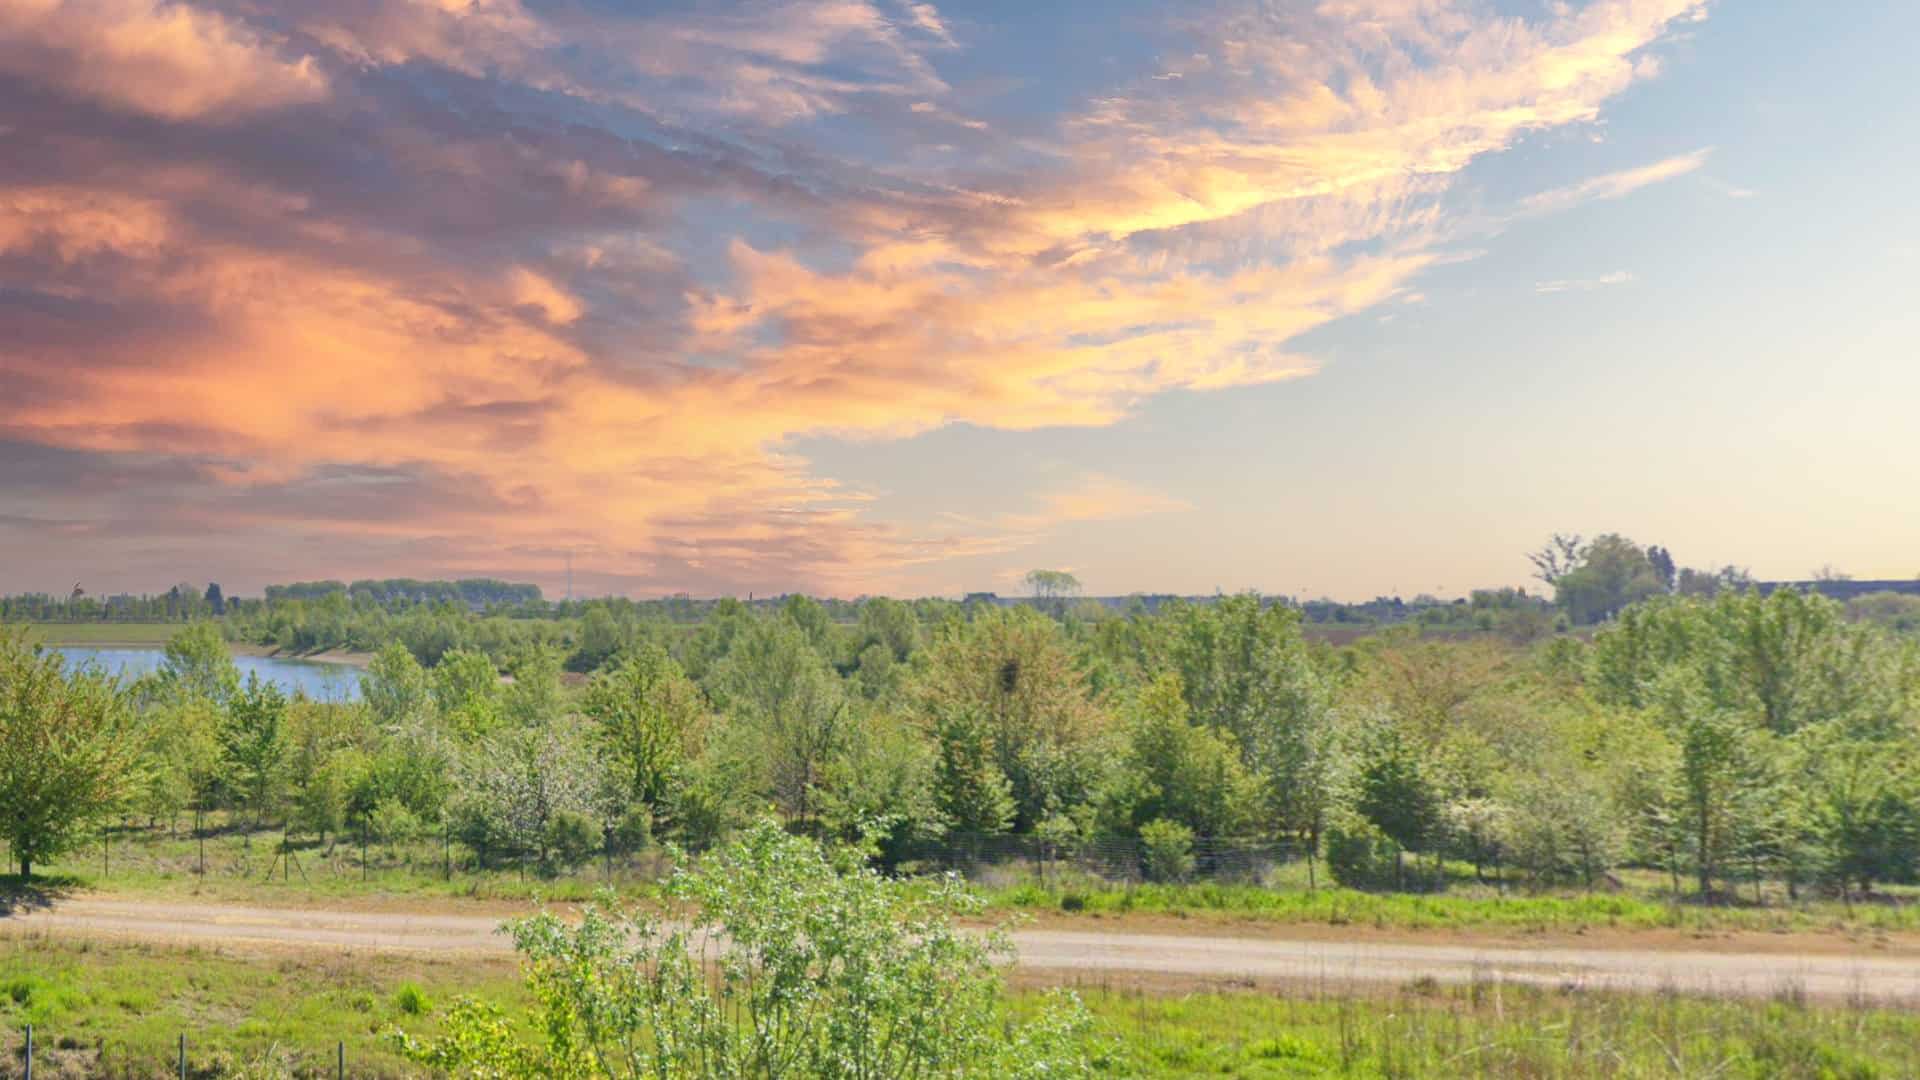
1081,955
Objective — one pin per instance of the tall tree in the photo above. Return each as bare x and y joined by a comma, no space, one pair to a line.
650,719
67,751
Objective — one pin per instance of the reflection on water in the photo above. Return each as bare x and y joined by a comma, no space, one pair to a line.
321,682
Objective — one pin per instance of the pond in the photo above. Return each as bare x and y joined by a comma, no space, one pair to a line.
321,682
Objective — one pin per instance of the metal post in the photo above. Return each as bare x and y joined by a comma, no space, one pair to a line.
340,1060
29,1073
183,1056
363,845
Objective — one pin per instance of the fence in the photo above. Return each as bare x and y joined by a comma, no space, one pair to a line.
1119,859
183,1061
437,855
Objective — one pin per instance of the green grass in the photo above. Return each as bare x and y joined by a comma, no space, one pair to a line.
1497,1030
1642,903
103,633
160,861
243,866
117,1009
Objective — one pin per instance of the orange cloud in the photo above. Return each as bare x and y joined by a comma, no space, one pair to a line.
444,324
173,61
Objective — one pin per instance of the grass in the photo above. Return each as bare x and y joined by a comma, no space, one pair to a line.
117,1009
1642,902
1498,1030
241,867
103,633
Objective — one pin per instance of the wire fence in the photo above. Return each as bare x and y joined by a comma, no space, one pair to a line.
20,1055
996,859
356,855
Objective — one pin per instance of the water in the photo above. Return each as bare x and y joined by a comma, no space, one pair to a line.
321,682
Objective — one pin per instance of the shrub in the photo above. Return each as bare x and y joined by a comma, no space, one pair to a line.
571,838
841,972
1166,850
1360,856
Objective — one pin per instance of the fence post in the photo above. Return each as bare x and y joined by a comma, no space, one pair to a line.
29,1073
183,1056
340,1060
364,823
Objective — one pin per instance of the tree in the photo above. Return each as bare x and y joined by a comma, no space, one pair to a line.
1717,778
253,743
395,685
789,714
1556,559
216,601
650,720
1662,561
1012,669
1179,771
1611,573
973,795
198,664
67,751
1393,788
1052,588
466,690
793,963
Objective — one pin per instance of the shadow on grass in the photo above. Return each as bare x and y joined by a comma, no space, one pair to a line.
19,895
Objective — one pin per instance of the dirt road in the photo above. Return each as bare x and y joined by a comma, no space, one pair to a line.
1072,955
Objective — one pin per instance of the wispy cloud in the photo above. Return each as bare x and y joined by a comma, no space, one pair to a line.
1616,277
1614,185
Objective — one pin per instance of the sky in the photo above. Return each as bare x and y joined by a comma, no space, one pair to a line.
1337,298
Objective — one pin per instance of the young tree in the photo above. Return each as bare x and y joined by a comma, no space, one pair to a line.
253,743
67,751
650,719
973,795
198,664
788,714
1012,669
466,690
395,685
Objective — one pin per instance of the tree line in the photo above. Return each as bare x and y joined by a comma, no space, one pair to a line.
1711,738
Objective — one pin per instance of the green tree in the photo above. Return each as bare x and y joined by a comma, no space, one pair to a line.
67,751
253,743
1013,670
788,714
395,685
650,719
973,795
1394,787
1612,572
1178,771
197,663
466,690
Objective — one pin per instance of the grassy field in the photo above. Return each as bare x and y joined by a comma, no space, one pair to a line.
112,1009
103,633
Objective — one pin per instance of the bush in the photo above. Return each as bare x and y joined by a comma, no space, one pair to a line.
412,1000
633,832
844,972
1166,850
1360,856
571,838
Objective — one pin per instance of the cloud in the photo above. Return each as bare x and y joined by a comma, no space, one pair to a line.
1616,277
398,286
1614,185
171,61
